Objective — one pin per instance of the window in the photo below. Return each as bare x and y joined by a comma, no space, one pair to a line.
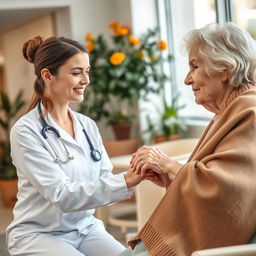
245,15
178,17
175,19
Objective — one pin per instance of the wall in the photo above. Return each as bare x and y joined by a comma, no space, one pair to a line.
19,73
72,18
2,80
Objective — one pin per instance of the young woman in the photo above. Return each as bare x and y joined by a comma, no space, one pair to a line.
63,169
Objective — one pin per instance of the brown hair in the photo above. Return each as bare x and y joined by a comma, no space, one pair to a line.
51,54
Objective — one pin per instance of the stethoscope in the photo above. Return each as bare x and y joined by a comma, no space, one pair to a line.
95,154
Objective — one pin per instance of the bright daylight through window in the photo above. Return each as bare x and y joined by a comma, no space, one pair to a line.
178,17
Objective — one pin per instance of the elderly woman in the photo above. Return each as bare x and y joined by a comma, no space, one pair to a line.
210,200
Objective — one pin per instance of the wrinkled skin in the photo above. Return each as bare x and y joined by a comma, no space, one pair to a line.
154,165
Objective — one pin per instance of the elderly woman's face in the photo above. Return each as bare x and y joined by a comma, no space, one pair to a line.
208,90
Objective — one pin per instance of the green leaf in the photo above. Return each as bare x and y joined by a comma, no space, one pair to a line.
9,111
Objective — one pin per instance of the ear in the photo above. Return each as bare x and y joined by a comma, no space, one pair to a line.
225,76
46,75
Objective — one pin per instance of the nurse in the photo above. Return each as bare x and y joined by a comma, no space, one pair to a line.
63,169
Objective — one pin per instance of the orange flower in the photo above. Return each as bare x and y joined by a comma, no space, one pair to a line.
117,58
90,46
162,45
88,37
113,25
133,40
121,31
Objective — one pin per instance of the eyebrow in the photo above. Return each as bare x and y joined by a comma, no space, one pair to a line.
80,68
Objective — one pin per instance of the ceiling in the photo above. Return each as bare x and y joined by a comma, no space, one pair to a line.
12,18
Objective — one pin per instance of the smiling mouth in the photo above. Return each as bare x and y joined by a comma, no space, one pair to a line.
79,90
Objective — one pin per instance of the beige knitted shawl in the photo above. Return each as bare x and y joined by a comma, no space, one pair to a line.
212,201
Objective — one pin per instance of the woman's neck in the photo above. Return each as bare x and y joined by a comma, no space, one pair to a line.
62,117
60,114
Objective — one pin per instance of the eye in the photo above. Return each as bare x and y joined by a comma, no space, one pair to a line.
194,66
76,73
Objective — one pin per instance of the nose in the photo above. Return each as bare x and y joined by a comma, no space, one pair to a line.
85,80
188,79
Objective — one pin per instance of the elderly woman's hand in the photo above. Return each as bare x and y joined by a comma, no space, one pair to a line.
149,158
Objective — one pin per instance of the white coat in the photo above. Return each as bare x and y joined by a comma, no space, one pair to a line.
56,197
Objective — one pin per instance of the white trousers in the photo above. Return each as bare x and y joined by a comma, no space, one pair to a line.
98,242
139,250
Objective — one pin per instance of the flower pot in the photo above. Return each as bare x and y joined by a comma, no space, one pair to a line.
9,190
122,130
121,147
162,138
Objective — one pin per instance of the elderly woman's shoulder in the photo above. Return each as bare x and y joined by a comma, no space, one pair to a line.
243,99
248,96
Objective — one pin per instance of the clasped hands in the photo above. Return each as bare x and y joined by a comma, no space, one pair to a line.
152,164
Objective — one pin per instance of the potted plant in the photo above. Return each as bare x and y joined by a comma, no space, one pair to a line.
122,73
121,124
8,175
171,126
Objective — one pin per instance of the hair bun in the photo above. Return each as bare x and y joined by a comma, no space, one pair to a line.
30,48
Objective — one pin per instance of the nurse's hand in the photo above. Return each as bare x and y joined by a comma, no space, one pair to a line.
162,180
132,179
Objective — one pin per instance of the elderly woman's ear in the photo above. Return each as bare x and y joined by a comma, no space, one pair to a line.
225,76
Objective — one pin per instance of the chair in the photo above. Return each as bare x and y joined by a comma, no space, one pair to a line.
148,194
238,250
174,148
121,147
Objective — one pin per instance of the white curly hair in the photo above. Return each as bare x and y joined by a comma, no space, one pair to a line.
225,48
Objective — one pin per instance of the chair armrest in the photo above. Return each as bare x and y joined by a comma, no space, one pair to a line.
237,250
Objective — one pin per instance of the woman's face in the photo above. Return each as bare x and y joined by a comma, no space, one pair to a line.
208,90
71,80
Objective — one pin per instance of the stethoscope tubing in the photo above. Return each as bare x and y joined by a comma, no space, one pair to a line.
94,153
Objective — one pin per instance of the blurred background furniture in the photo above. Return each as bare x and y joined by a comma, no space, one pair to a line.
148,194
133,214
238,250
121,147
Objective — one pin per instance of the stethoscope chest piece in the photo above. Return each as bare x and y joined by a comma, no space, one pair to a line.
95,155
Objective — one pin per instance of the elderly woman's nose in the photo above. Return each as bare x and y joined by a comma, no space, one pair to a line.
188,79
